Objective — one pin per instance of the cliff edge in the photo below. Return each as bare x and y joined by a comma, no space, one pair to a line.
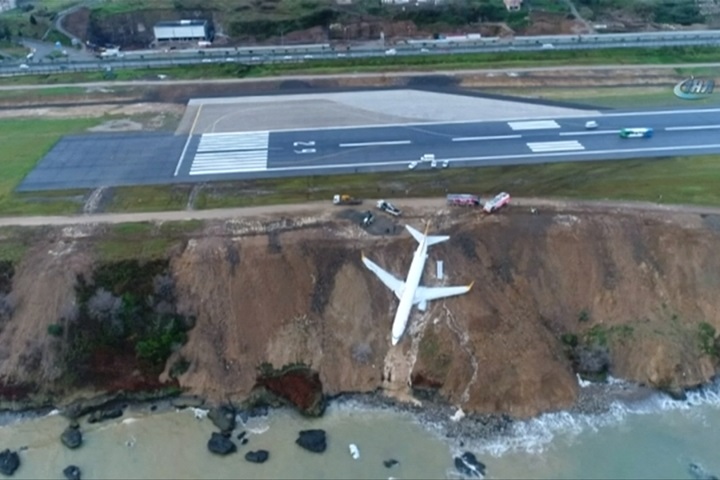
559,293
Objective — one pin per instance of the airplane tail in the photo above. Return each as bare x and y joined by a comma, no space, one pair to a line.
431,239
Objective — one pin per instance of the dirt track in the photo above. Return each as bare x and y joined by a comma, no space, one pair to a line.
315,207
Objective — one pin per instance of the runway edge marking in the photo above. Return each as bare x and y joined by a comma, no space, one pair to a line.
187,142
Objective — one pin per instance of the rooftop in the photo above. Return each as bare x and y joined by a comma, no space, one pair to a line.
180,23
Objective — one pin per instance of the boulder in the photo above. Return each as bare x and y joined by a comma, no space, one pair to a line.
469,466
390,463
312,440
71,438
220,444
241,435
9,462
259,456
72,472
106,414
223,417
244,441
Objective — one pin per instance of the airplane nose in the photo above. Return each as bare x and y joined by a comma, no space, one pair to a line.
395,341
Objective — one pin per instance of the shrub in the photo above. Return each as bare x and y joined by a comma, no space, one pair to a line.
584,316
55,329
708,342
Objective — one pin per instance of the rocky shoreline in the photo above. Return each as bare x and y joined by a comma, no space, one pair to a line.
462,432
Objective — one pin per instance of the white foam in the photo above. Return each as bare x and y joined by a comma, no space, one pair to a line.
534,436
199,412
128,421
54,412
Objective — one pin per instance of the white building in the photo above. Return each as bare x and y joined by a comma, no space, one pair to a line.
183,30
7,5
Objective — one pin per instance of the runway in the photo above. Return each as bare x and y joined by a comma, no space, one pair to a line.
321,151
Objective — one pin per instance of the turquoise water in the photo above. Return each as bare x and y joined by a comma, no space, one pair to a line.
654,438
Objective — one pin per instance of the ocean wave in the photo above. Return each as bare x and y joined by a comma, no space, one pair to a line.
535,435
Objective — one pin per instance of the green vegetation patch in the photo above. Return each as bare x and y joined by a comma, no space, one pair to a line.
709,341
430,353
152,198
691,180
126,315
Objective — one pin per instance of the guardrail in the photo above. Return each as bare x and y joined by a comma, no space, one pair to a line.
302,53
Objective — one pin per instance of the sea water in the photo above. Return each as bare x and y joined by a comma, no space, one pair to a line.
653,438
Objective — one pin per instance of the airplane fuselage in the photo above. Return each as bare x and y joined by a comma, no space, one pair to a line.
402,315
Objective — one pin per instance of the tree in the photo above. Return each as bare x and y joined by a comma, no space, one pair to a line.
33,20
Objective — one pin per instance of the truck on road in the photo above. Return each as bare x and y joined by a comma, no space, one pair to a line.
464,200
388,207
346,200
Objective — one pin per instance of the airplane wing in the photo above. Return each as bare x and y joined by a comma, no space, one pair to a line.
388,279
426,294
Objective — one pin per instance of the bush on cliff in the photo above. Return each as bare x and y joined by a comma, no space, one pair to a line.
126,314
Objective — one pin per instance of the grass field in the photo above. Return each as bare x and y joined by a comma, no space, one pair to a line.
627,56
23,143
691,180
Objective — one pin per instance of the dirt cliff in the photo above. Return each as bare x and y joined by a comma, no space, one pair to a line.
556,293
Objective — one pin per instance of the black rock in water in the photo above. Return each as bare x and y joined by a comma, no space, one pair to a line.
471,461
71,438
390,463
9,462
223,417
72,473
699,473
259,456
220,444
312,440
469,466
244,441
241,435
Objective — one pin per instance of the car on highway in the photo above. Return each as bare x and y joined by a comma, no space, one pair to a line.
636,133
591,125
413,165
392,51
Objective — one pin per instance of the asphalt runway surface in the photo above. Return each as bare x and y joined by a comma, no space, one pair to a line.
129,159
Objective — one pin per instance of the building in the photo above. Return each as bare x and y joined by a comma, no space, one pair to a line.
7,5
182,31
513,5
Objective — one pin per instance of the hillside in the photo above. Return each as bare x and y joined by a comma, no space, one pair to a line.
217,309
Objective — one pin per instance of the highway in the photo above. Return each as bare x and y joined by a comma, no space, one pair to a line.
91,161
305,53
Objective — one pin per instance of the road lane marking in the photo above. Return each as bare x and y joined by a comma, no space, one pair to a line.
373,144
534,125
234,141
529,156
187,142
697,127
570,145
494,137
597,132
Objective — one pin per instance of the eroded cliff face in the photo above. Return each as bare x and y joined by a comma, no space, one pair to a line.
642,287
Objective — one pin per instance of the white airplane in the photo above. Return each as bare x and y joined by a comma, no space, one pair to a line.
410,292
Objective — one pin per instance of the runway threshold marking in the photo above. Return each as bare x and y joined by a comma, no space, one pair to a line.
187,142
478,139
374,144
695,127
566,146
231,153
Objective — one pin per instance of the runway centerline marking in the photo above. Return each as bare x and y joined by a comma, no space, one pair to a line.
696,127
374,144
598,132
492,137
